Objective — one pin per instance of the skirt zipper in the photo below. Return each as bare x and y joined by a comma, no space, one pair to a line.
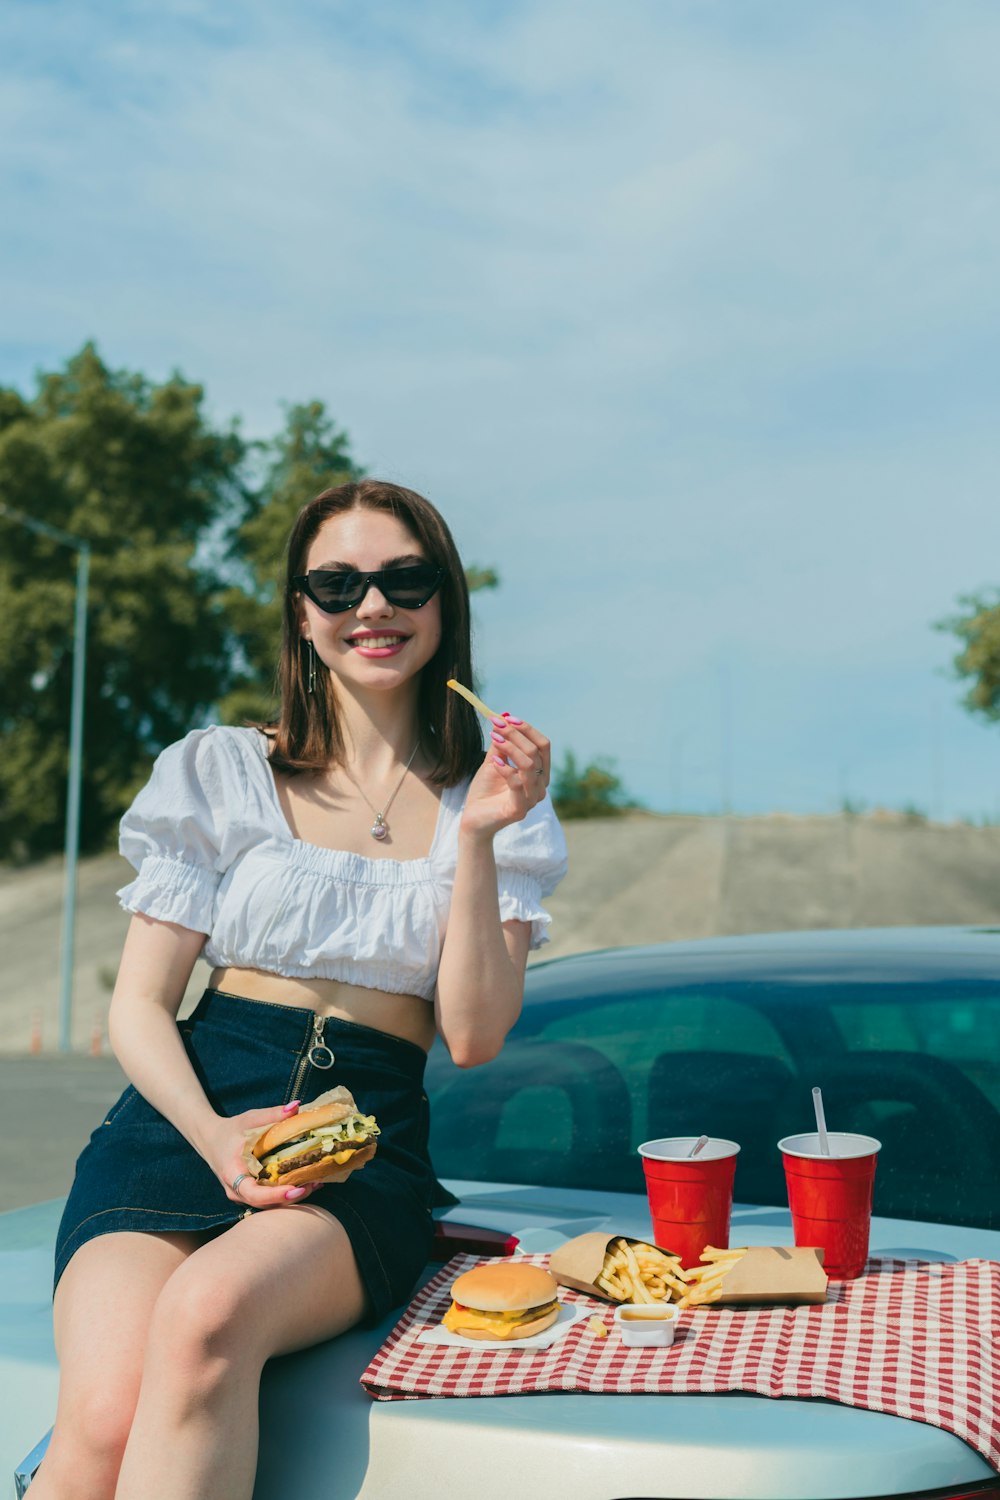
317,1055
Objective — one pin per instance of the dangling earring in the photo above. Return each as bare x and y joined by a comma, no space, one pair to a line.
311,669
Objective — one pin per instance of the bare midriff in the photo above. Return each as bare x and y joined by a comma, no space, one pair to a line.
406,1016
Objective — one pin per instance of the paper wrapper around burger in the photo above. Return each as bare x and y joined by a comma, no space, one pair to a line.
339,1095
579,1261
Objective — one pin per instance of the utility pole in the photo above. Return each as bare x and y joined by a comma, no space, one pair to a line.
75,773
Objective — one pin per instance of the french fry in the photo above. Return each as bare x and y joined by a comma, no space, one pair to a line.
707,1273
598,1327
698,1296
470,697
675,1284
640,1273
704,1283
640,1292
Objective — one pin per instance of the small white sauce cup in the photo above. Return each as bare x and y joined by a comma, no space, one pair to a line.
644,1325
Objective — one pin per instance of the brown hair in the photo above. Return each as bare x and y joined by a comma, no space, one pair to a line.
308,736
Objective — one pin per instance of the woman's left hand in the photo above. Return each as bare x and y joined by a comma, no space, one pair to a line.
513,778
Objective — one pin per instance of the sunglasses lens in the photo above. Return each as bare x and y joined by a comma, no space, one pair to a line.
407,588
336,591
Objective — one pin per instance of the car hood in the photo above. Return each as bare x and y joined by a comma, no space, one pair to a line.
321,1434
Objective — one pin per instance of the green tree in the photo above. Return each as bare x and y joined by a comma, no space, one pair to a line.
978,630
187,526
593,792
135,469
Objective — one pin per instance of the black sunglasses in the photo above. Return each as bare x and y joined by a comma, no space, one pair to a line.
407,587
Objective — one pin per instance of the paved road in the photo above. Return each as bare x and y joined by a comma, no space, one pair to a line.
48,1107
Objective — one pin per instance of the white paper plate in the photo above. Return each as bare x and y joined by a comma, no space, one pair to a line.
569,1313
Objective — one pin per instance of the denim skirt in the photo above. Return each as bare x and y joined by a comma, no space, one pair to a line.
138,1173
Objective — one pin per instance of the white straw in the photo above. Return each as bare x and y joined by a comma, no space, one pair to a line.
824,1143
699,1145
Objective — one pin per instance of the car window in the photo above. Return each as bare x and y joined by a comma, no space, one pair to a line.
580,1083
577,1089
949,1026
639,1035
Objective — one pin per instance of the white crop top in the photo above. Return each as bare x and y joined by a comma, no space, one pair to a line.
214,852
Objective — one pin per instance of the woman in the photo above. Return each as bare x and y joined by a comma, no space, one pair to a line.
361,878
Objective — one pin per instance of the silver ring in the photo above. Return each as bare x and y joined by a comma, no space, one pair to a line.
235,1184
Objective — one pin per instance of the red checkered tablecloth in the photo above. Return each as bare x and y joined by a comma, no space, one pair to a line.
918,1339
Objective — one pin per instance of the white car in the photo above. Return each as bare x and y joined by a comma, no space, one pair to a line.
902,1030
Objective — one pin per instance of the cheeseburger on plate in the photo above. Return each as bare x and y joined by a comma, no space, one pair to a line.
502,1300
324,1142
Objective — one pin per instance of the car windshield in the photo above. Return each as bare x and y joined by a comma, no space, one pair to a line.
582,1081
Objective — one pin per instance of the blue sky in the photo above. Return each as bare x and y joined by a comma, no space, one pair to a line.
685,313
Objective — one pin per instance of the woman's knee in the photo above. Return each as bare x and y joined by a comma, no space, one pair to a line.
92,1429
201,1328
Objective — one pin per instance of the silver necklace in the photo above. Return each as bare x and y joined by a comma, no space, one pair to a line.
380,828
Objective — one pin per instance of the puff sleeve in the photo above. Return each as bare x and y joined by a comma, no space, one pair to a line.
531,861
181,832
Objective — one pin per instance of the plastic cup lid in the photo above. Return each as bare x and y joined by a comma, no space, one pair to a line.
678,1148
843,1145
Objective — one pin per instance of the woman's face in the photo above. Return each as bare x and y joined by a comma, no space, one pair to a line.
376,645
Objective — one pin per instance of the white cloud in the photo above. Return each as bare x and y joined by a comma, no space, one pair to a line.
689,306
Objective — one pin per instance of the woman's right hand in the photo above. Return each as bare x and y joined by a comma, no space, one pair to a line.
225,1155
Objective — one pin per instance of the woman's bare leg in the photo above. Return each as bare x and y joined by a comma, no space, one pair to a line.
103,1305
216,1322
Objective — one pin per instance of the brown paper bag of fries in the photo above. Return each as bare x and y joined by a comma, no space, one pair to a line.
619,1268
630,1270
773,1274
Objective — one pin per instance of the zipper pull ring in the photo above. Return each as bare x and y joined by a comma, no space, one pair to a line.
319,1054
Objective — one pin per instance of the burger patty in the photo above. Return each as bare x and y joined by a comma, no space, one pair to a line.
292,1163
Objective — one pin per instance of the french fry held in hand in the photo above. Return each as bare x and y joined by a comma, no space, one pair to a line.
639,1273
704,1282
470,697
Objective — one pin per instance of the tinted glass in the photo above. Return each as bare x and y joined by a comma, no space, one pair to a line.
401,586
581,1083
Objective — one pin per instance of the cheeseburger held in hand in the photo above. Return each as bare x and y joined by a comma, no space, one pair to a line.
325,1142
502,1300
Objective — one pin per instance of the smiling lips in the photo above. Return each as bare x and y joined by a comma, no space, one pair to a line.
385,644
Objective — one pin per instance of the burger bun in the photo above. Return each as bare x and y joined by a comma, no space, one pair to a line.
505,1286
503,1300
303,1120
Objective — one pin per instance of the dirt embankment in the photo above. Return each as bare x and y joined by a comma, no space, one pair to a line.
636,879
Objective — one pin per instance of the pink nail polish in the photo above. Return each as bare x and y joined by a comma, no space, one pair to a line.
501,723
498,762
296,1192
510,718
498,739
286,1109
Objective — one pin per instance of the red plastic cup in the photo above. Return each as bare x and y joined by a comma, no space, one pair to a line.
690,1197
831,1196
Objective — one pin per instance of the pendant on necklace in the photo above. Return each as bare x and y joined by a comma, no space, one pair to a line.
380,828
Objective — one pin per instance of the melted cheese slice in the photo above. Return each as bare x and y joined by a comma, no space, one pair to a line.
498,1323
